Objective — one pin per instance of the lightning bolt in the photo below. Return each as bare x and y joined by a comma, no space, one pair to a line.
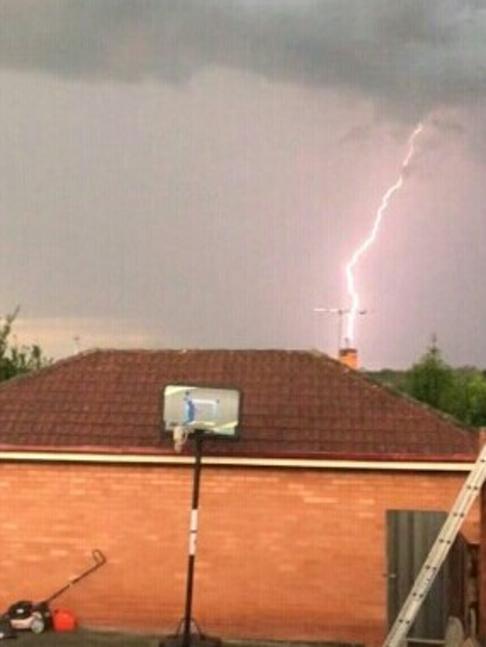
366,244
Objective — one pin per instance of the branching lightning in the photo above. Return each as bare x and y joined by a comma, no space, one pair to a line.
366,244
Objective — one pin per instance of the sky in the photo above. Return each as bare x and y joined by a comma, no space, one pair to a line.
196,174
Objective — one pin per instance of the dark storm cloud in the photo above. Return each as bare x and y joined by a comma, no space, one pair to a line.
409,54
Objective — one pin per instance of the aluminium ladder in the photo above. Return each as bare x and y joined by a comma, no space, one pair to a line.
438,553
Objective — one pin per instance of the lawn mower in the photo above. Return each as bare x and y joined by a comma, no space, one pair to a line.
37,616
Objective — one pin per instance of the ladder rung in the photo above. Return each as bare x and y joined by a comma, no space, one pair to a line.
438,553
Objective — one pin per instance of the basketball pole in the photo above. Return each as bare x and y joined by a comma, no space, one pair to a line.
218,415
198,437
183,636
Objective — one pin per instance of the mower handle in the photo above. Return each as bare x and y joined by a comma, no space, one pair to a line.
98,556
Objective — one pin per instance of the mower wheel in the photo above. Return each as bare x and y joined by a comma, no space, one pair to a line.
38,623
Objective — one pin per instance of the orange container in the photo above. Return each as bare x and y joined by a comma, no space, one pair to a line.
63,620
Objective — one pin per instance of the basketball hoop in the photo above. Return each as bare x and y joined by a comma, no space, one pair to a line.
179,434
199,412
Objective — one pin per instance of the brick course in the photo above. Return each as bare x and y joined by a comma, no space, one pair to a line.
283,553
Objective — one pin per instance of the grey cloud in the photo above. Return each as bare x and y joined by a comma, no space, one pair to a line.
360,133
410,55
448,125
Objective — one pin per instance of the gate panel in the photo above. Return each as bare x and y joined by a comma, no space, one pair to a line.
410,535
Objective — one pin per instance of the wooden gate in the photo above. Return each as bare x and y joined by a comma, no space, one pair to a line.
410,535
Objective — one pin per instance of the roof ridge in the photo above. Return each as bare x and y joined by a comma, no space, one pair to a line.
423,405
314,354
296,351
71,359
401,395
317,403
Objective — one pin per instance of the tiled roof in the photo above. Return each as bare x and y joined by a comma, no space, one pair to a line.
295,403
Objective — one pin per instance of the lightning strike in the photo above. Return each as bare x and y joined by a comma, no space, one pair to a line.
366,244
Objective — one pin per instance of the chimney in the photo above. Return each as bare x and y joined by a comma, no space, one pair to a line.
349,357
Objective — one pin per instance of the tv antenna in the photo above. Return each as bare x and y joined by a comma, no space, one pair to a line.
341,314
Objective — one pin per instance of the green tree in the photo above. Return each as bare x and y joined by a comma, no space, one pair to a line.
476,396
15,359
460,392
431,379
457,402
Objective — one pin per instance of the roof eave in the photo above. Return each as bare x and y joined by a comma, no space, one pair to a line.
398,457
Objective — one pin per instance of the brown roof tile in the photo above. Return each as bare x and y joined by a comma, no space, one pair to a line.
295,403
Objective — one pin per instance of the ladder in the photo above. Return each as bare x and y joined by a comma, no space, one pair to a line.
438,553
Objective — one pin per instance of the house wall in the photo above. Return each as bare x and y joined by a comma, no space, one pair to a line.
283,553
482,568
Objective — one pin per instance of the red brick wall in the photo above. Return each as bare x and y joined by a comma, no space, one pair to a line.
282,553
482,568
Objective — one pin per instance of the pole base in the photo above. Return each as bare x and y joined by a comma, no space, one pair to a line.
195,640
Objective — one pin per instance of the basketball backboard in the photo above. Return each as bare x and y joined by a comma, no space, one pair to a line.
215,411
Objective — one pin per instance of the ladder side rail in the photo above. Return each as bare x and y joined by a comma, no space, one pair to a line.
453,523
436,557
420,588
418,593
438,552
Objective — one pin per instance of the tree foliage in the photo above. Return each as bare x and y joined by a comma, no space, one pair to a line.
458,392
431,380
15,359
